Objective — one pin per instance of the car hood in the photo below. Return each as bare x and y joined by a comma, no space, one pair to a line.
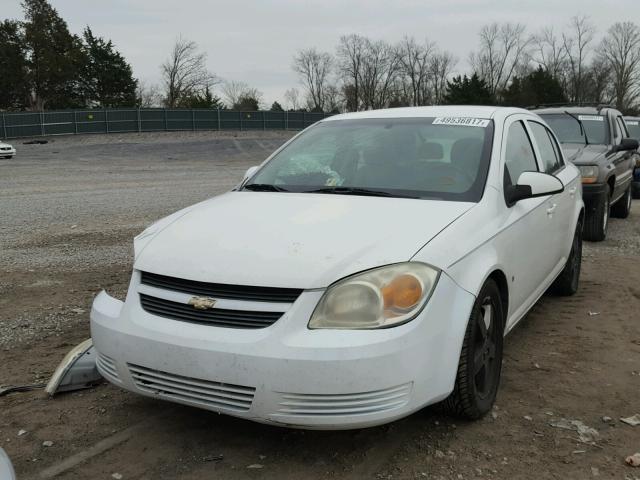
293,240
584,154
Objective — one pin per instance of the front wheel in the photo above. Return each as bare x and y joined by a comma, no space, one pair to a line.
567,282
597,219
622,207
480,364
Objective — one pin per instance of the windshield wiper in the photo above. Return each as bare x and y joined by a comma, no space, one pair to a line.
357,191
582,129
264,187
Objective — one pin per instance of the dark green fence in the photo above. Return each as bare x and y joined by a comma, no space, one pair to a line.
65,122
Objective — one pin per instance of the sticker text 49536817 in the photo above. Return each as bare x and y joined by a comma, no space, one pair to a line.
461,121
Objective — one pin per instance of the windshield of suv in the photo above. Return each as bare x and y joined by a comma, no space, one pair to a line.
634,128
442,158
567,129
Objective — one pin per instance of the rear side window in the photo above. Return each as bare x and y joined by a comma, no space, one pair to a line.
550,159
519,156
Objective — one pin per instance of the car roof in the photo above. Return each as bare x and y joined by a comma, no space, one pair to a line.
474,111
574,109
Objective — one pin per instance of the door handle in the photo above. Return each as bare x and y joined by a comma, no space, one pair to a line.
572,191
551,209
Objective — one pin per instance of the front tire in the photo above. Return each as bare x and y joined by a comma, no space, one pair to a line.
480,364
597,220
569,279
622,207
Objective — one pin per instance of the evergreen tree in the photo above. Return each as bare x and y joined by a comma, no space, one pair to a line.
13,79
203,100
54,57
247,103
536,88
107,78
276,107
468,91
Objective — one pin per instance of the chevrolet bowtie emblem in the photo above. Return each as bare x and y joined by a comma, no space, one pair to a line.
202,303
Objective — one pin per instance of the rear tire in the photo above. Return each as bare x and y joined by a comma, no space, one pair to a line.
569,279
622,207
597,220
480,364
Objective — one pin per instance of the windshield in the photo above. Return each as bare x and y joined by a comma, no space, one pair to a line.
567,128
634,128
442,158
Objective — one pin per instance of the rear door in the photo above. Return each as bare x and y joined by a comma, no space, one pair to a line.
560,207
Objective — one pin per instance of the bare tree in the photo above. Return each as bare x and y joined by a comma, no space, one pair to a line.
314,68
550,52
332,100
148,95
621,49
576,46
235,91
185,72
292,98
440,68
503,50
414,61
380,67
350,53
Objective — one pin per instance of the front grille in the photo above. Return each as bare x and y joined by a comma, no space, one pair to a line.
345,404
107,367
216,316
5,148
199,392
217,290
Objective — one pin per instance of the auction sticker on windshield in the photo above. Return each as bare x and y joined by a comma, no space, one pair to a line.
462,121
591,118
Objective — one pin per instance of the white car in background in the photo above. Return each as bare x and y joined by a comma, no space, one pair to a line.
6,150
370,267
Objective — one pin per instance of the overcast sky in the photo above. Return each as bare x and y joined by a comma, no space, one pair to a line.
255,40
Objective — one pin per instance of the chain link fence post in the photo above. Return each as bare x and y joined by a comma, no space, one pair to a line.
219,120
138,119
75,121
41,123
4,125
106,120
165,120
193,120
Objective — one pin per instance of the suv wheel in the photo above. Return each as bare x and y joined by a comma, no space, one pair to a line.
597,221
567,282
622,207
480,362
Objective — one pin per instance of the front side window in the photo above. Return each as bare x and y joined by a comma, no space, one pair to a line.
567,128
439,158
548,154
519,156
634,128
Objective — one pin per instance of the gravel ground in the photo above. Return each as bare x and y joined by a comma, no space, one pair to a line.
70,209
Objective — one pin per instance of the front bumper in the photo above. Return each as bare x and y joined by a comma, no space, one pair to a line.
286,374
8,153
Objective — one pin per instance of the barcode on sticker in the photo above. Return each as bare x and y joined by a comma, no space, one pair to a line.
591,118
462,121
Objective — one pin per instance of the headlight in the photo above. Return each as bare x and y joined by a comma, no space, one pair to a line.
383,297
589,173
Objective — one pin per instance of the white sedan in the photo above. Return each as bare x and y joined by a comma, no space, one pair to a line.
6,150
371,266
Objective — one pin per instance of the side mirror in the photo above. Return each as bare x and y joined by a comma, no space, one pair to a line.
532,185
249,173
627,144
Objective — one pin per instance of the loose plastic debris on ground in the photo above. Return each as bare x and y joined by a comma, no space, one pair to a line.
633,460
634,420
585,433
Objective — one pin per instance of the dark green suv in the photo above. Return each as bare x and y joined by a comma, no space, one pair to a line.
633,124
597,141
